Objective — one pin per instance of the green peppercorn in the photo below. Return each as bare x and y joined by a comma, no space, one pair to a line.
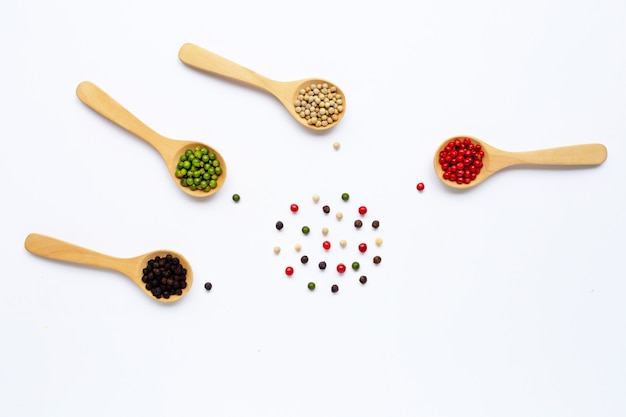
199,169
311,285
355,266
306,230
236,197
345,196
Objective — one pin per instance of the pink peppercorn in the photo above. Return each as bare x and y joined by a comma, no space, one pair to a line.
289,271
362,247
420,186
362,210
341,268
326,245
294,208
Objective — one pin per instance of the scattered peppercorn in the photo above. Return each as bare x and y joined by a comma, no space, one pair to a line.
326,209
341,268
322,265
326,245
355,266
339,216
362,247
306,230
279,225
316,198
375,224
297,247
358,224
294,208
311,286
362,279
208,286
362,210
334,288
324,231
199,169
236,198
165,276
345,196
420,186
343,243
379,241
461,160
377,259
336,145
319,104
289,271
304,259
276,250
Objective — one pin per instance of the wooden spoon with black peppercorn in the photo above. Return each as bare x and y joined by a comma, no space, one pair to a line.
287,93
133,268
495,159
170,149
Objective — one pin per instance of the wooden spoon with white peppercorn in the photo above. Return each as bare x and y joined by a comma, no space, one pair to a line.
317,117
170,149
495,159
49,247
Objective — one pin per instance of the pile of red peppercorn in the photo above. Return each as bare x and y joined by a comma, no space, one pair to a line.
461,160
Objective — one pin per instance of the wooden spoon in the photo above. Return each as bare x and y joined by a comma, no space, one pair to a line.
52,248
170,149
285,92
496,159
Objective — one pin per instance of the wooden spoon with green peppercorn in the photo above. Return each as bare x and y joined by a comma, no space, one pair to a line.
495,159
49,247
318,108
171,150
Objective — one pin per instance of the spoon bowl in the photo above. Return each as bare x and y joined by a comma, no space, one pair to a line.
169,149
49,247
286,92
496,159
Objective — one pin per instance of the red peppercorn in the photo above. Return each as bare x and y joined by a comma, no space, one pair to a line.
420,185
294,208
326,245
460,161
341,268
362,210
362,247
289,271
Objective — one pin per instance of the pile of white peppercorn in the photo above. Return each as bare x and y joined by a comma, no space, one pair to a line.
319,104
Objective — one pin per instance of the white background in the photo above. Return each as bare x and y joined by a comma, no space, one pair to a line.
505,300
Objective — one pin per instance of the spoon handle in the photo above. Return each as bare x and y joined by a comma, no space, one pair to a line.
589,154
49,247
204,60
105,105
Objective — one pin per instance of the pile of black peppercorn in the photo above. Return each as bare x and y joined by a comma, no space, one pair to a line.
165,276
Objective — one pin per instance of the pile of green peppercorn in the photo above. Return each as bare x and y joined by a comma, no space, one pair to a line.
199,169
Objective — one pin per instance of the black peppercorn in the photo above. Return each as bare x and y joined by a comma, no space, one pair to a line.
334,288
377,259
304,259
375,224
362,279
326,209
164,276
322,265
358,223
208,286
279,225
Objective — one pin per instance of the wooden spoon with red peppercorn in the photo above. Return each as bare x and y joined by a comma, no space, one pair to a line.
476,157
170,149
49,247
